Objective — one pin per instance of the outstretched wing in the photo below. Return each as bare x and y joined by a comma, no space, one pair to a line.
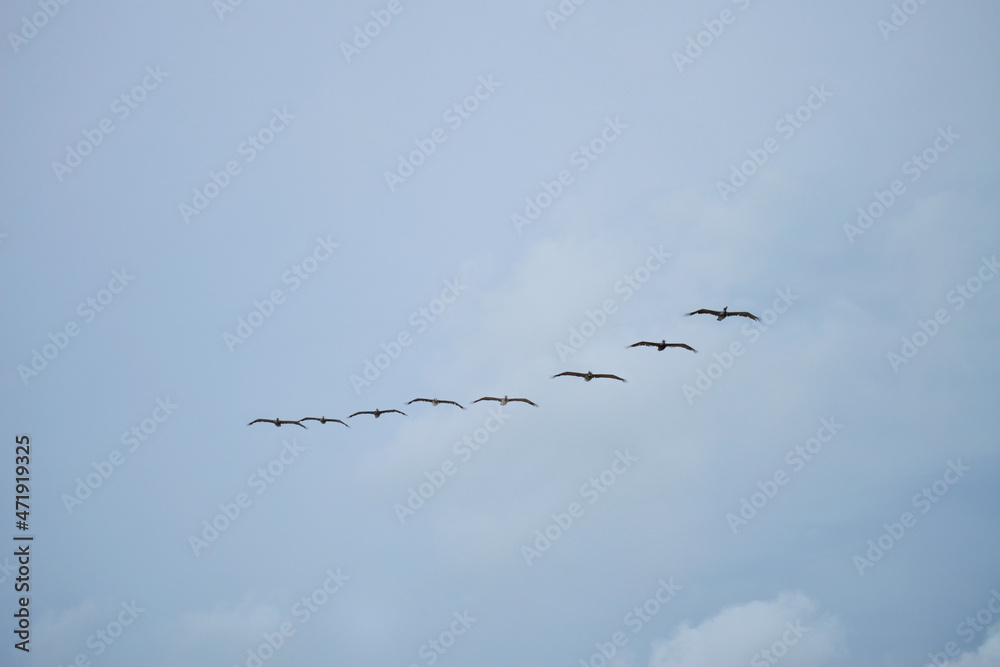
297,423
394,410
579,375
706,311
425,400
744,313
361,412
608,375
487,398
453,403
523,400
269,421
340,421
684,345
644,342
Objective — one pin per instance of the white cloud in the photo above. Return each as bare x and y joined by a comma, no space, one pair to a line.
62,634
987,655
789,625
238,622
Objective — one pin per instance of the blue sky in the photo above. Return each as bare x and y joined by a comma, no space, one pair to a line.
213,216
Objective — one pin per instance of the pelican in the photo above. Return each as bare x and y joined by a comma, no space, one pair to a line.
588,376
504,400
663,344
723,314
323,420
279,422
434,401
376,412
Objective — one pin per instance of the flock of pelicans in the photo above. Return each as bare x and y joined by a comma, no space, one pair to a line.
588,376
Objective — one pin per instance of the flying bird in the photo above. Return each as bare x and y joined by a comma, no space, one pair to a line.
434,401
376,412
323,420
279,422
663,344
723,314
588,376
504,400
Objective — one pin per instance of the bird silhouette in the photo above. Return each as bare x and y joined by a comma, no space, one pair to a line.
323,420
378,413
279,422
434,401
588,376
505,400
663,344
723,314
